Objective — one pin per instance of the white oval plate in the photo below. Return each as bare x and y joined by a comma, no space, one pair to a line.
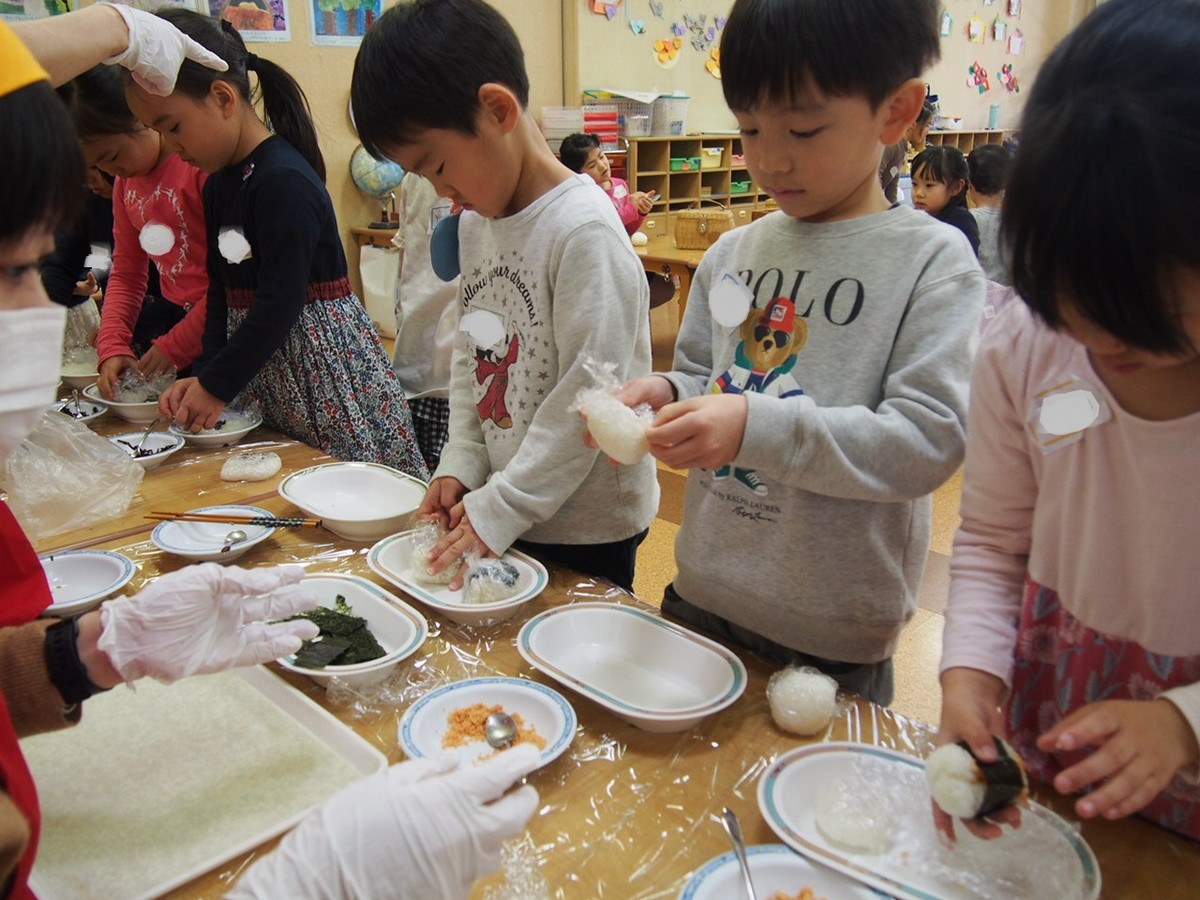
160,442
1044,858
80,579
391,558
138,413
774,867
424,724
202,541
238,425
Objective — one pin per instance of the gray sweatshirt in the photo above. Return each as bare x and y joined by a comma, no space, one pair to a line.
542,292
854,359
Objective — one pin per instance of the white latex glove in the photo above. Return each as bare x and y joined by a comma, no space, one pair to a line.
206,618
157,49
421,829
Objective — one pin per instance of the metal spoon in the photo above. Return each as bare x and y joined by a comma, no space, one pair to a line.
146,434
500,730
234,537
730,820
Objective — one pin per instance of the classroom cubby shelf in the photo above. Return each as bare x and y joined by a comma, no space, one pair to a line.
720,180
966,141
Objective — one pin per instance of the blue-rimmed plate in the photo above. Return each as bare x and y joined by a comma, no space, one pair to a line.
425,727
649,672
1044,859
391,558
774,867
202,541
80,579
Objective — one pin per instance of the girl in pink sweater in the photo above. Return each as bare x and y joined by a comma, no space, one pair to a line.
158,216
582,153
1073,626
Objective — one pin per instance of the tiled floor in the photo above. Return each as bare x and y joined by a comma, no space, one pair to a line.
917,693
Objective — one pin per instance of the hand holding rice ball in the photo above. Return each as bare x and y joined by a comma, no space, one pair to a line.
618,430
802,700
965,787
425,536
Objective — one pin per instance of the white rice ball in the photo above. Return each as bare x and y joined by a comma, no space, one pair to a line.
251,467
491,581
802,700
619,430
956,782
852,821
424,538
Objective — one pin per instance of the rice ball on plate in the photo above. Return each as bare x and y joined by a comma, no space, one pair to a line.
845,818
965,787
802,700
491,581
425,536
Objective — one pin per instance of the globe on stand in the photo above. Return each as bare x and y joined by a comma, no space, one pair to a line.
376,178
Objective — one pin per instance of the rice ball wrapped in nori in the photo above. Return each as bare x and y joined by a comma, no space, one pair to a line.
965,787
490,581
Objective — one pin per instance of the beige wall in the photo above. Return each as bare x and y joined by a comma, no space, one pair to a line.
608,54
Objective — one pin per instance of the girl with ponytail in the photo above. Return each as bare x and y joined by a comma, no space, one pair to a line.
284,332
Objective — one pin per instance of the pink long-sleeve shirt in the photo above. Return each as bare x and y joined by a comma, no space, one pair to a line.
170,196
1109,519
622,199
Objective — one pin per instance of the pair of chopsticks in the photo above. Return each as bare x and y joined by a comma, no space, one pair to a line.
234,519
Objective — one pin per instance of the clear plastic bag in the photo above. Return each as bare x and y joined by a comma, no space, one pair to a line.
65,476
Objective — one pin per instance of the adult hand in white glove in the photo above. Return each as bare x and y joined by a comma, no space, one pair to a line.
424,828
206,618
157,49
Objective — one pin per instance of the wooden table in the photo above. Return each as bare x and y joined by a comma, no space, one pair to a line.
660,256
625,813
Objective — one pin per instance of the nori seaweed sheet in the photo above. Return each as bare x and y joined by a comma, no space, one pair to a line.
339,628
1004,779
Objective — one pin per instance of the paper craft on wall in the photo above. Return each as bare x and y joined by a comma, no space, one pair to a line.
999,30
656,7
666,51
713,63
1009,78
1016,42
1014,8
977,77
606,8
947,24
342,23
975,30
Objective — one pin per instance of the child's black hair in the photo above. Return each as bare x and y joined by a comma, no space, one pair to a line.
775,50
284,104
96,101
45,187
421,66
576,148
989,165
925,116
1101,205
946,164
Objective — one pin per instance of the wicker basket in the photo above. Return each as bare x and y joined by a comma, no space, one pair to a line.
697,229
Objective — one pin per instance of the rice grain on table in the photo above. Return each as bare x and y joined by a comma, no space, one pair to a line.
466,726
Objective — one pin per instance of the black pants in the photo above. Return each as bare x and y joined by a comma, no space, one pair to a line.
157,317
874,681
613,561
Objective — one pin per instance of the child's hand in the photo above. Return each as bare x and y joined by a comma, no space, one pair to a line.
443,495
110,374
971,711
460,540
643,201
701,432
190,406
1140,745
89,287
155,362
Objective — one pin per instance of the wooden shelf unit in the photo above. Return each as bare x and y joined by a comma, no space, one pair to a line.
650,170
966,141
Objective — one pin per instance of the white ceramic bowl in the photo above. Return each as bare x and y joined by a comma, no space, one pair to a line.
355,500
399,628
90,409
160,442
236,426
392,559
647,671
202,541
80,579
79,374
131,412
